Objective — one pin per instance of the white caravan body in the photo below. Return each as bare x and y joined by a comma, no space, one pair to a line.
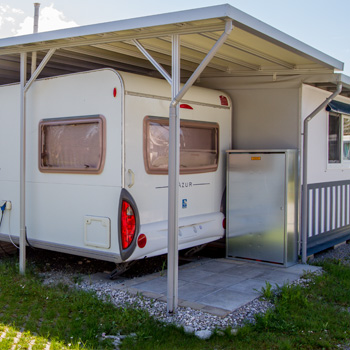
80,212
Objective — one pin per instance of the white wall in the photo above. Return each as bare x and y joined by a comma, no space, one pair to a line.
265,119
318,168
266,112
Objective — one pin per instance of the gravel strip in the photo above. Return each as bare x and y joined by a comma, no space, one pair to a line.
194,321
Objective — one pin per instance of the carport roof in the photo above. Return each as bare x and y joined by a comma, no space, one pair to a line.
253,48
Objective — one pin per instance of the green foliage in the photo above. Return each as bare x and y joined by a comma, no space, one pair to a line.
267,291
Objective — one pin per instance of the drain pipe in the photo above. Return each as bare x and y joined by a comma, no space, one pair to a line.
174,166
35,30
304,218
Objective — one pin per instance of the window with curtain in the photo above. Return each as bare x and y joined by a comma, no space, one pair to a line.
199,145
72,145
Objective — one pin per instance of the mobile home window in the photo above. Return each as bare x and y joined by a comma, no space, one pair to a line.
338,138
199,144
72,145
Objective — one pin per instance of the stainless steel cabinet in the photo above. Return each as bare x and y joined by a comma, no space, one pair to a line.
262,205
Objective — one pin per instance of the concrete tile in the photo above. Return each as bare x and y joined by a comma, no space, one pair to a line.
215,266
156,285
195,291
279,277
247,271
221,281
250,286
231,261
194,274
227,299
138,280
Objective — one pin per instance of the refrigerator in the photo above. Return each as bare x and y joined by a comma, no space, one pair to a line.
262,206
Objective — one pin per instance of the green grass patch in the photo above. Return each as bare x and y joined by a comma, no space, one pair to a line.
66,317
311,317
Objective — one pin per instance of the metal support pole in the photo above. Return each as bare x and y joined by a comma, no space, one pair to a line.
35,30
22,238
174,159
24,88
173,178
304,213
156,65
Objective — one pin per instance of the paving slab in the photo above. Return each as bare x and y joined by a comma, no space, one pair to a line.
193,274
155,285
247,271
227,299
220,280
279,277
215,266
252,286
195,291
216,286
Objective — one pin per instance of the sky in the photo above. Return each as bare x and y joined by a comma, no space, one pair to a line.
322,24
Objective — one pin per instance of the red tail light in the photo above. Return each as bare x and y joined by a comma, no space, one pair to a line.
128,224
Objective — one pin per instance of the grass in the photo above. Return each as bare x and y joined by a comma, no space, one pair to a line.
40,317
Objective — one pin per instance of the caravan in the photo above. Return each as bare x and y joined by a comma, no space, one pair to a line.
96,165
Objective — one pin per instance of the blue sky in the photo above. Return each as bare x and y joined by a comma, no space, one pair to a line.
319,23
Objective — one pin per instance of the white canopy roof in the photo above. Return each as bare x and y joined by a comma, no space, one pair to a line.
252,49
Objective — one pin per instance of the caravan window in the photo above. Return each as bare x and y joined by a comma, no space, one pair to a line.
72,145
338,138
199,144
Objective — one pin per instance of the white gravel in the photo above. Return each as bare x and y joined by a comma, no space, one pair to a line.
194,321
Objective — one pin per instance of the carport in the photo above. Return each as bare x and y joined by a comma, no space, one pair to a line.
212,46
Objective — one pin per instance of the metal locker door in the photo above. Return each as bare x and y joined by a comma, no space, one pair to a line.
256,218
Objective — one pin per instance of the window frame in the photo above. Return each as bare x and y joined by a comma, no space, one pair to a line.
100,119
186,123
342,163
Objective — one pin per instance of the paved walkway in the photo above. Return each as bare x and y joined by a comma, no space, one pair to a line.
217,286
